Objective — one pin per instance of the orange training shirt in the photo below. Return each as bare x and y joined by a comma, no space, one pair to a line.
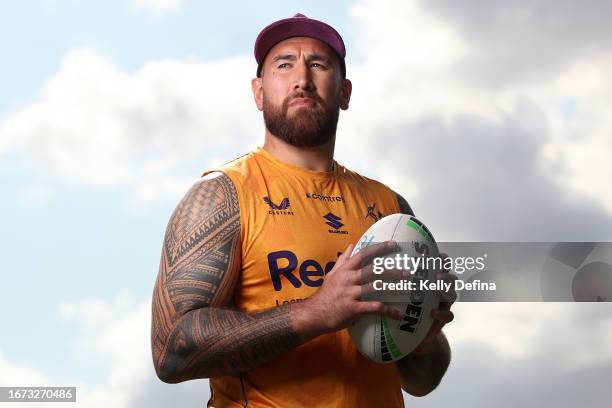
294,223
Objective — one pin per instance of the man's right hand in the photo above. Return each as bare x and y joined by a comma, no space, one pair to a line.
338,301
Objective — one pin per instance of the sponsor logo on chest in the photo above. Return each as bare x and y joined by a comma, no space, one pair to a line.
283,208
335,222
326,198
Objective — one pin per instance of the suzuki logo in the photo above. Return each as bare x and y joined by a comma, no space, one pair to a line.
333,221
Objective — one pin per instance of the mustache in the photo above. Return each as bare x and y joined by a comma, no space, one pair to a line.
302,94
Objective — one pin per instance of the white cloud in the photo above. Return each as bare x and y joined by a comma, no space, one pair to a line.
152,131
158,8
158,188
527,354
507,329
118,333
156,129
527,331
412,55
20,374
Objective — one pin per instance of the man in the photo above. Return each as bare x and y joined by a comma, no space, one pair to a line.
257,283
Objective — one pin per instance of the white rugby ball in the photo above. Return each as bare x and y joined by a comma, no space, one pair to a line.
384,339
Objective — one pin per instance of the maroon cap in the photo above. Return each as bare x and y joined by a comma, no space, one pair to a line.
298,26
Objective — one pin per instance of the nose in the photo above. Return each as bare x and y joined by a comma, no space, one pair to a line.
303,77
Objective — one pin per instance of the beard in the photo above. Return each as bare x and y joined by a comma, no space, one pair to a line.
308,126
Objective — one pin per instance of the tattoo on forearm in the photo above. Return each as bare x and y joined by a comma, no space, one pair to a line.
194,332
228,341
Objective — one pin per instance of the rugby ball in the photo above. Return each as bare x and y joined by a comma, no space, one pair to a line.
383,339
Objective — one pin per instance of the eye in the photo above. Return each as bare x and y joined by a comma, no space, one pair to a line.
283,64
317,65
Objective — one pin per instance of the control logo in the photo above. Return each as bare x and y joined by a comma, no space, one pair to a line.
327,198
373,213
334,221
278,209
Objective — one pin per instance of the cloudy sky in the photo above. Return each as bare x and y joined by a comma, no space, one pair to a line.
493,119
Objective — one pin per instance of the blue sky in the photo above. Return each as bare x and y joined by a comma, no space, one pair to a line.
109,110
37,34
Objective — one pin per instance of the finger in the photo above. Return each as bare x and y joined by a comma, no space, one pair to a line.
442,316
368,275
448,277
344,256
436,328
387,287
365,256
355,292
368,292
448,297
379,308
375,291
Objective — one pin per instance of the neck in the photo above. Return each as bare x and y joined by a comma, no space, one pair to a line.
318,158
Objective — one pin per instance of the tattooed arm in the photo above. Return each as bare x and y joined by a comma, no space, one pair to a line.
195,332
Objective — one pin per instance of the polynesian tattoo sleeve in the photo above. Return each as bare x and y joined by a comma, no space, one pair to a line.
195,331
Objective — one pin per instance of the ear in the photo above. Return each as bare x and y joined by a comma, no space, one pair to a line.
257,86
345,94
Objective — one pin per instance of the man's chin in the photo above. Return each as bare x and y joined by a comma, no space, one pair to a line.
302,119
301,111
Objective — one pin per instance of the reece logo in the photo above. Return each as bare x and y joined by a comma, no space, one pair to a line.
310,272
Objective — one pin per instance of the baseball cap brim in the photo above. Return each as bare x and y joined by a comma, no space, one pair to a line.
297,26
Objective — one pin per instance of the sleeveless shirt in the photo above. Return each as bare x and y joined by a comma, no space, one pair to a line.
294,223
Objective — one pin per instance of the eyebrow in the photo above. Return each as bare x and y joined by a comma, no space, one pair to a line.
311,57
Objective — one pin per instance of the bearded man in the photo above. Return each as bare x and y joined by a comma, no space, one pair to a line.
257,284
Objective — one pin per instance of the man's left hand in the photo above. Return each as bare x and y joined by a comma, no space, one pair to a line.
442,315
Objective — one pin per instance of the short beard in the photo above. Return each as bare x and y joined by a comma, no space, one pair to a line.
309,127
